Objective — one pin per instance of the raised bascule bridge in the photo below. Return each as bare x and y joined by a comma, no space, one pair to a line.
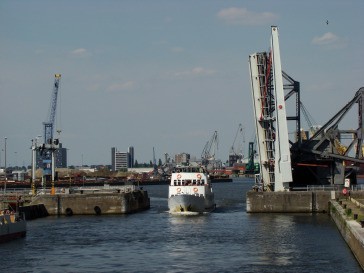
314,157
314,172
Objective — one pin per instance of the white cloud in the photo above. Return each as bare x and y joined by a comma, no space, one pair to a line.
121,86
242,16
79,52
326,39
196,71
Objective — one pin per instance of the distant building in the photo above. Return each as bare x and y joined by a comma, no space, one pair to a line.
182,158
18,175
121,160
131,157
233,158
60,158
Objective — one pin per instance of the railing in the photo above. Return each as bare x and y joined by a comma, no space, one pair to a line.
324,187
58,190
100,189
359,187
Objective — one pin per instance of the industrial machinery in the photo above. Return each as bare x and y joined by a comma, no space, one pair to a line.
51,144
48,125
236,151
209,151
322,158
251,167
315,157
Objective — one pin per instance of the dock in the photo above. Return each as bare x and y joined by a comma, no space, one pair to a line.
348,214
80,201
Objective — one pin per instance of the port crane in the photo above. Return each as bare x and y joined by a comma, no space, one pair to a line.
210,149
236,153
234,150
48,125
50,144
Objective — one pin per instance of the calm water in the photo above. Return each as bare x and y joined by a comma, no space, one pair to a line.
228,240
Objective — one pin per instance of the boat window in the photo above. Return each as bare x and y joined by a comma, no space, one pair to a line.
179,182
202,181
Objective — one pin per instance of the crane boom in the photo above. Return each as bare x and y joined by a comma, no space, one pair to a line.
233,149
48,125
211,144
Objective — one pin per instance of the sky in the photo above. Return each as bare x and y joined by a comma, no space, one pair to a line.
163,74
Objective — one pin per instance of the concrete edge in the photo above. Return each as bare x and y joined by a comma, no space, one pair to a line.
351,231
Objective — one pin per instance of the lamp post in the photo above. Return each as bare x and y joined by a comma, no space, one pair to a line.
35,148
6,174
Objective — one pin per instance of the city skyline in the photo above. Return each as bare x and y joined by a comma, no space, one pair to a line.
163,74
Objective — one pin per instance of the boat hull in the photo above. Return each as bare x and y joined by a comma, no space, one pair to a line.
10,229
190,204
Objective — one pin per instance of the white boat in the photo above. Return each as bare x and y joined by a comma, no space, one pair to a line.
12,226
190,191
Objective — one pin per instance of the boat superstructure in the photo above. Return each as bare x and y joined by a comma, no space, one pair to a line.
190,191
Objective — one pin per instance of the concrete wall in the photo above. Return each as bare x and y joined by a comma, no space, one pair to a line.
94,203
33,211
351,231
287,201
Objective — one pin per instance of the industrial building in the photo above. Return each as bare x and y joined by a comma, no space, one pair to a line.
60,156
182,158
122,160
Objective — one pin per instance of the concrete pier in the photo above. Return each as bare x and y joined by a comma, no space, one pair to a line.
307,201
87,202
351,230
33,211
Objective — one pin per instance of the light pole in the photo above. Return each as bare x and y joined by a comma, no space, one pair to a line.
16,161
6,174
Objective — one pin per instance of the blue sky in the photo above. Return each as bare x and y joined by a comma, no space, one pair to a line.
163,74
